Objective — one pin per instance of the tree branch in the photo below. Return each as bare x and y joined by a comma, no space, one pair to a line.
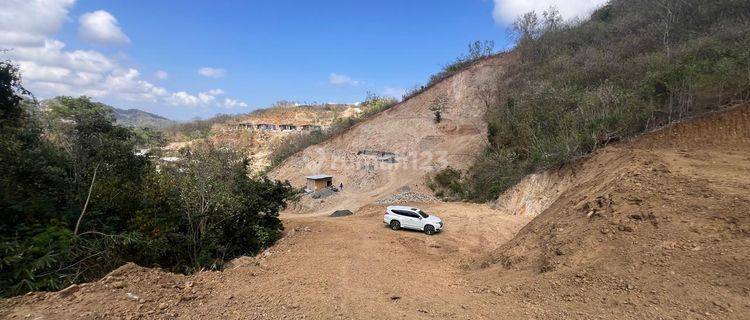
85,205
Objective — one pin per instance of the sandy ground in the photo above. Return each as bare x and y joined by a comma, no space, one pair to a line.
351,267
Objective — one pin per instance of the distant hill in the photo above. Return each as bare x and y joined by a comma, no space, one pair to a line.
128,117
140,118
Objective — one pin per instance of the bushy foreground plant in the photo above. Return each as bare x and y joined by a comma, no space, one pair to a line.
76,201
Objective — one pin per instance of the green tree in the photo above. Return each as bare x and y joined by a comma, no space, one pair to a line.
33,238
215,210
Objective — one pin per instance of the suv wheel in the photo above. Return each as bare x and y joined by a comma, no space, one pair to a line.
429,230
395,225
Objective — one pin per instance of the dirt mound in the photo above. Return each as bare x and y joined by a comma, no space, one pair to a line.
661,226
127,291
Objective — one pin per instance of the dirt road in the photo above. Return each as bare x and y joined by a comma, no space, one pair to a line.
351,267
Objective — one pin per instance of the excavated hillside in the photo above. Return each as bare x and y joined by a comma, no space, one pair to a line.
655,228
241,134
399,147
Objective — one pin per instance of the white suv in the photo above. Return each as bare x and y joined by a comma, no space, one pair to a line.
398,217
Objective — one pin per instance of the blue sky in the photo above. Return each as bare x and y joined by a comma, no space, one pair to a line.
149,54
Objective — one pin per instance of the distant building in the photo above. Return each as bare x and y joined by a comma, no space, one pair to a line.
265,126
319,181
287,127
245,126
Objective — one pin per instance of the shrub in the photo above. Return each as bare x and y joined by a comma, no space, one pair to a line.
438,105
446,184
477,50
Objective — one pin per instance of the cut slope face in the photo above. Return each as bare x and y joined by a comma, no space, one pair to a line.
401,145
661,225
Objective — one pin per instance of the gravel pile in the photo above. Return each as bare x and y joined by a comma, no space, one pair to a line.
407,197
341,213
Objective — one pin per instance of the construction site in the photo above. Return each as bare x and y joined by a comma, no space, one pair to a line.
593,164
656,227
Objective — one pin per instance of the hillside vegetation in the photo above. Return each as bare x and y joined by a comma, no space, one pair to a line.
77,201
633,66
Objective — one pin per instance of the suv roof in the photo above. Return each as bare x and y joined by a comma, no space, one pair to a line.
402,208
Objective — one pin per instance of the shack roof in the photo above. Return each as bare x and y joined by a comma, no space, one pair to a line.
319,177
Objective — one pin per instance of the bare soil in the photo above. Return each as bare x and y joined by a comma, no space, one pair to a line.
655,228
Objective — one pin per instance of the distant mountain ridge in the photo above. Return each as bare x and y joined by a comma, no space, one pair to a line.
140,118
128,117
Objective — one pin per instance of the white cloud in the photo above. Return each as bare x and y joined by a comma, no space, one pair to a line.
506,11
48,68
128,86
183,98
203,99
231,103
52,53
215,92
206,98
101,27
341,79
161,75
212,72
30,22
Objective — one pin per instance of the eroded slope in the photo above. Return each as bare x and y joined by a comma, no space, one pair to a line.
653,228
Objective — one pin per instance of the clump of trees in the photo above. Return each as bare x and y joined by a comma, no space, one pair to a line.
372,105
580,85
77,201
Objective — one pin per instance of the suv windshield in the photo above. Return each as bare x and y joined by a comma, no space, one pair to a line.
423,214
